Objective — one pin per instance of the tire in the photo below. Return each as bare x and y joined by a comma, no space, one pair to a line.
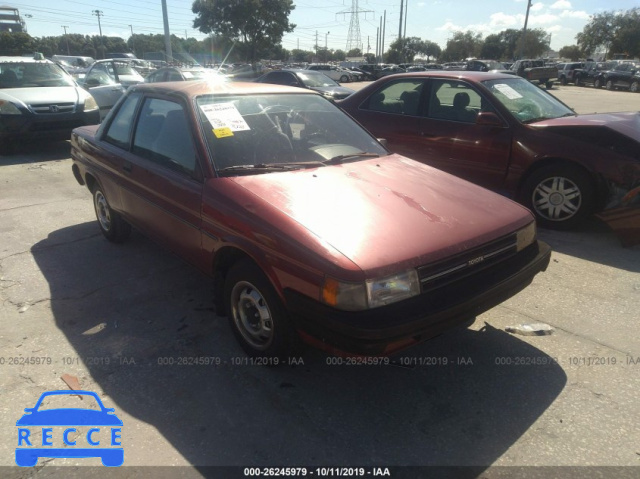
113,227
609,85
560,196
579,82
256,314
563,81
549,84
597,83
344,79
635,86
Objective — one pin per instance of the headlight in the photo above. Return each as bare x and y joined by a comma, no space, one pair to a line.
526,236
372,293
392,288
90,103
8,108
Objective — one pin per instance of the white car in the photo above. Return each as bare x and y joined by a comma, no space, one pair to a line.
331,71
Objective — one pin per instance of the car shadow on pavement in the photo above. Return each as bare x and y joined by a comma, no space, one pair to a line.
594,241
460,399
44,150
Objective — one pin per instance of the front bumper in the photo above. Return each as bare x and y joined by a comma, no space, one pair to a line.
49,126
390,328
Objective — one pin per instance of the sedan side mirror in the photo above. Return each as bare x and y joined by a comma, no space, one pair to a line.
488,118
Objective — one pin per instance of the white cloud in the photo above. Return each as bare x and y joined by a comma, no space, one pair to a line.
581,14
561,5
500,20
543,19
536,7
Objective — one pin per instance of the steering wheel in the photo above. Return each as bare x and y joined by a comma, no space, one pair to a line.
529,111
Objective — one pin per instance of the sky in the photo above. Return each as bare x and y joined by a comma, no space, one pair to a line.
327,20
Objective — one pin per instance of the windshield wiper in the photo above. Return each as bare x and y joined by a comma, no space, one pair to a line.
268,167
342,158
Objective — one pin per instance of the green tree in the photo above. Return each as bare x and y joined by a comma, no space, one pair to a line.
572,52
599,32
339,56
493,48
463,45
627,39
430,50
16,44
258,24
300,56
370,58
354,52
404,50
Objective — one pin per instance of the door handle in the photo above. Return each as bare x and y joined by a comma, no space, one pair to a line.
127,166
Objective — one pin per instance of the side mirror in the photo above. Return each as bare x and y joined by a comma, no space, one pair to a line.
91,82
488,118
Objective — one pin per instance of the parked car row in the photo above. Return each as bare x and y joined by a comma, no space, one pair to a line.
610,75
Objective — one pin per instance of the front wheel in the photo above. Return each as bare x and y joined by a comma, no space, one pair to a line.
579,82
563,81
635,85
549,84
597,83
257,316
113,227
609,85
560,196
344,79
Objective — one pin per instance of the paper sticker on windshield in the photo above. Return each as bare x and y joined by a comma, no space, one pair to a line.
507,91
222,132
224,115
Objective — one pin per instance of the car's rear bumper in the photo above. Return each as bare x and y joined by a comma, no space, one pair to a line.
393,327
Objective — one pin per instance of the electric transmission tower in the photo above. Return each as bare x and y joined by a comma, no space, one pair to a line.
353,38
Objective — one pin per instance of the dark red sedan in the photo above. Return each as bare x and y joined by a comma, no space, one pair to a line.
506,134
310,228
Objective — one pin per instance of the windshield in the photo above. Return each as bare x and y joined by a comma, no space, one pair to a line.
526,101
493,65
271,132
313,79
28,75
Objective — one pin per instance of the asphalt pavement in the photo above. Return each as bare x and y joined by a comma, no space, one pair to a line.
136,325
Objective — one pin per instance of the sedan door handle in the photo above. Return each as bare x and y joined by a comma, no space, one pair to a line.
127,166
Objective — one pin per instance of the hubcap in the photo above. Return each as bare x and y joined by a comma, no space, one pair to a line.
557,199
251,315
103,212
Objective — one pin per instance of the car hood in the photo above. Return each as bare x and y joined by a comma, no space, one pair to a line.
35,95
389,211
338,91
626,123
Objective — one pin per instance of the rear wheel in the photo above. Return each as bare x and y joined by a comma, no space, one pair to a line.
344,79
609,85
257,316
597,83
561,196
563,80
549,84
579,82
113,227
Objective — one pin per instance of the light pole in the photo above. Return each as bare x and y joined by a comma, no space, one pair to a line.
98,13
133,41
66,38
325,39
524,31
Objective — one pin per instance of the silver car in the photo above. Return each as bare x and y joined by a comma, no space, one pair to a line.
108,79
40,100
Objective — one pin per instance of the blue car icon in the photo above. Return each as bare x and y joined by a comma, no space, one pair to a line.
105,417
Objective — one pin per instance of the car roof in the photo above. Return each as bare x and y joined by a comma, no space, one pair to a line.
454,74
9,59
203,87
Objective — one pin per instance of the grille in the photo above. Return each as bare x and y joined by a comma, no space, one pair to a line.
56,125
49,108
464,264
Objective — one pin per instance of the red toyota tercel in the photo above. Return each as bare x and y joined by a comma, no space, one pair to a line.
310,228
